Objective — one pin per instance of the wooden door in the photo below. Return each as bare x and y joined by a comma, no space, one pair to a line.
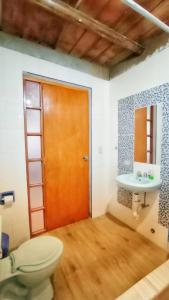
140,143
66,142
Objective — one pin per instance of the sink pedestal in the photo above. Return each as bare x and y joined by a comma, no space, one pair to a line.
138,204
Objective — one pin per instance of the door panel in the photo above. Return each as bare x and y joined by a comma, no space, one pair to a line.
66,141
35,172
33,121
36,197
34,147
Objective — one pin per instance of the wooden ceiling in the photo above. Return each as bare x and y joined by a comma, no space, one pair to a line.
101,31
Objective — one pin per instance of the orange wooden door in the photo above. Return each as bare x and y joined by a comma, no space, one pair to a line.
66,141
140,143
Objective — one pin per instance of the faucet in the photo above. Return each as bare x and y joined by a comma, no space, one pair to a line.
145,174
139,175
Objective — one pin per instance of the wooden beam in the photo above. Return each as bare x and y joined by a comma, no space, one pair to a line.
136,26
79,2
71,14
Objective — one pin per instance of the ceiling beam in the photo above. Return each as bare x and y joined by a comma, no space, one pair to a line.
71,14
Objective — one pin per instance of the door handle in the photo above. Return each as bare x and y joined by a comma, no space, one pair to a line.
85,157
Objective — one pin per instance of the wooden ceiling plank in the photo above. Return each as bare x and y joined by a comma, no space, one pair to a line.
113,12
100,46
79,2
124,54
71,2
161,11
22,18
132,18
65,44
87,40
67,12
132,24
93,7
85,44
40,25
101,58
114,56
110,53
13,17
67,34
109,15
155,30
74,46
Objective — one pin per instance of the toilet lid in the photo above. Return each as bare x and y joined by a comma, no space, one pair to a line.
34,253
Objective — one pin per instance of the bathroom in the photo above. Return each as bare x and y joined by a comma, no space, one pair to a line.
111,226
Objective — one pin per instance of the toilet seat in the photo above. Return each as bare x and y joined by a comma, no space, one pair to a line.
34,254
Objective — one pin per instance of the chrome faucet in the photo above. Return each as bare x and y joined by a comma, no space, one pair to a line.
139,174
145,174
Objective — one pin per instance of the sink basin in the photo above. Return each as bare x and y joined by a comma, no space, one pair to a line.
131,183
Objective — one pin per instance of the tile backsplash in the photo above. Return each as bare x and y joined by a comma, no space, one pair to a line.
126,109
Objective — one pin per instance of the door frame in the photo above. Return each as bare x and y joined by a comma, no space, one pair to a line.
44,79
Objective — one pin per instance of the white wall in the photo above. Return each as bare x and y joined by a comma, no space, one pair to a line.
152,72
12,147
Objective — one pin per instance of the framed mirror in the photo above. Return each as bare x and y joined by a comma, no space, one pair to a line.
147,134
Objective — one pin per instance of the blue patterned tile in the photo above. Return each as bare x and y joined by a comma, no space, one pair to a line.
125,197
125,170
126,141
125,158
126,104
164,204
125,122
126,108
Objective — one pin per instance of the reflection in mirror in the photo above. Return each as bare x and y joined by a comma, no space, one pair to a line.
147,134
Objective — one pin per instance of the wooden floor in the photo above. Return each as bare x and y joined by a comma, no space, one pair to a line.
102,258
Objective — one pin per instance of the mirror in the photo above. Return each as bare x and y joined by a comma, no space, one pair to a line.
147,134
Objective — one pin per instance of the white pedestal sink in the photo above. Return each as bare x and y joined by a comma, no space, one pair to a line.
141,185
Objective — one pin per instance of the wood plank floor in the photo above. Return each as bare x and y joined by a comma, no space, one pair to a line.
102,258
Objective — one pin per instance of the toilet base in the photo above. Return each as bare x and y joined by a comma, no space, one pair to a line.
43,291
12,290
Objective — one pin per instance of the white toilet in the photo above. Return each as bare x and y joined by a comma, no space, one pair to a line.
25,273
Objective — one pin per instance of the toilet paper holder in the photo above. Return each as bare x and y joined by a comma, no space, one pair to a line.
5,194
